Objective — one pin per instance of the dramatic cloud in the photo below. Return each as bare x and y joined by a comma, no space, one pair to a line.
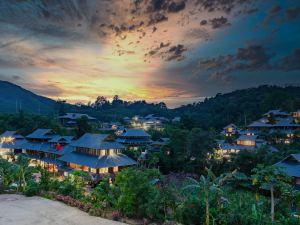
147,49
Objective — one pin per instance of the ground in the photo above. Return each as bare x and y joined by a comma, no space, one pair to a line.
21,210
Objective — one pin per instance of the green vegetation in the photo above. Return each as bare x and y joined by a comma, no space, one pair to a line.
141,193
174,184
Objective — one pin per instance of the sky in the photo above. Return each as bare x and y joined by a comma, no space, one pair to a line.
176,51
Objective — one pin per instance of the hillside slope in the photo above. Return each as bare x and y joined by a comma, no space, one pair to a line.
241,106
13,97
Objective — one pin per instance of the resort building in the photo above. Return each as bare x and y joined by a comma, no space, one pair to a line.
230,130
112,127
10,145
277,122
276,113
97,154
44,147
244,142
157,145
70,119
150,121
134,138
291,165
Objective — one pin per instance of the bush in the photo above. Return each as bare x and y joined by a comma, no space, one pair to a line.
191,211
32,189
74,202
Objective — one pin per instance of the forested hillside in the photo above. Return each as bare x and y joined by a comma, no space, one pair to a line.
241,106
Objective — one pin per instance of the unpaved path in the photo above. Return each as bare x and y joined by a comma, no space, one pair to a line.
21,210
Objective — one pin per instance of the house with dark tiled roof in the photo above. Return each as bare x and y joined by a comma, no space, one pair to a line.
242,143
230,130
97,154
150,121
11,144
70,119
277,122
134,138
276,113
158,144
44,147
291,165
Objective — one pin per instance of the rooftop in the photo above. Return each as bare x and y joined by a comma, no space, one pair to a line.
134,133
291,165
96,141
96,161
42,134
75,116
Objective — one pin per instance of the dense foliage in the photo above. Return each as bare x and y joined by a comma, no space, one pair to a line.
240,107
145,194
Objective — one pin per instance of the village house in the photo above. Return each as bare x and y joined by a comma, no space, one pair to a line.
70,119
230,130
11,144
134,138
150,121
277,122
112,127
97,154
44,147
242,143
157,145
291,165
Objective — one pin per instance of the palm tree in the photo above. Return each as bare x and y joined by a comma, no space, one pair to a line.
209,185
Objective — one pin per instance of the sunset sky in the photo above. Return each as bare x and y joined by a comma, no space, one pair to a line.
176,51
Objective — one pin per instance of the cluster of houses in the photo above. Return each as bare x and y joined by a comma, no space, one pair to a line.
272,122
150,121
97,154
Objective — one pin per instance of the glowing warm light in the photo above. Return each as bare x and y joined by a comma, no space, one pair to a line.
7,140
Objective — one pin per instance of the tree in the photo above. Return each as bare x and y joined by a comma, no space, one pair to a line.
134,190
22,172
200,145
61,107
100,102
270,177
83,126
208,185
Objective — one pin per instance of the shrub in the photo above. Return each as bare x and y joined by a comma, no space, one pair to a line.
32,189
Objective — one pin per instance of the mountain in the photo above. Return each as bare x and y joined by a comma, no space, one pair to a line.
240,106
13,98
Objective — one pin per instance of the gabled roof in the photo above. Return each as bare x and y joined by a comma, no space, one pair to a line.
276,112
41,134
285,122
75,116
134,133
96,161
61,139
16,144
12,134
291,165
96,141
260,124
230,125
